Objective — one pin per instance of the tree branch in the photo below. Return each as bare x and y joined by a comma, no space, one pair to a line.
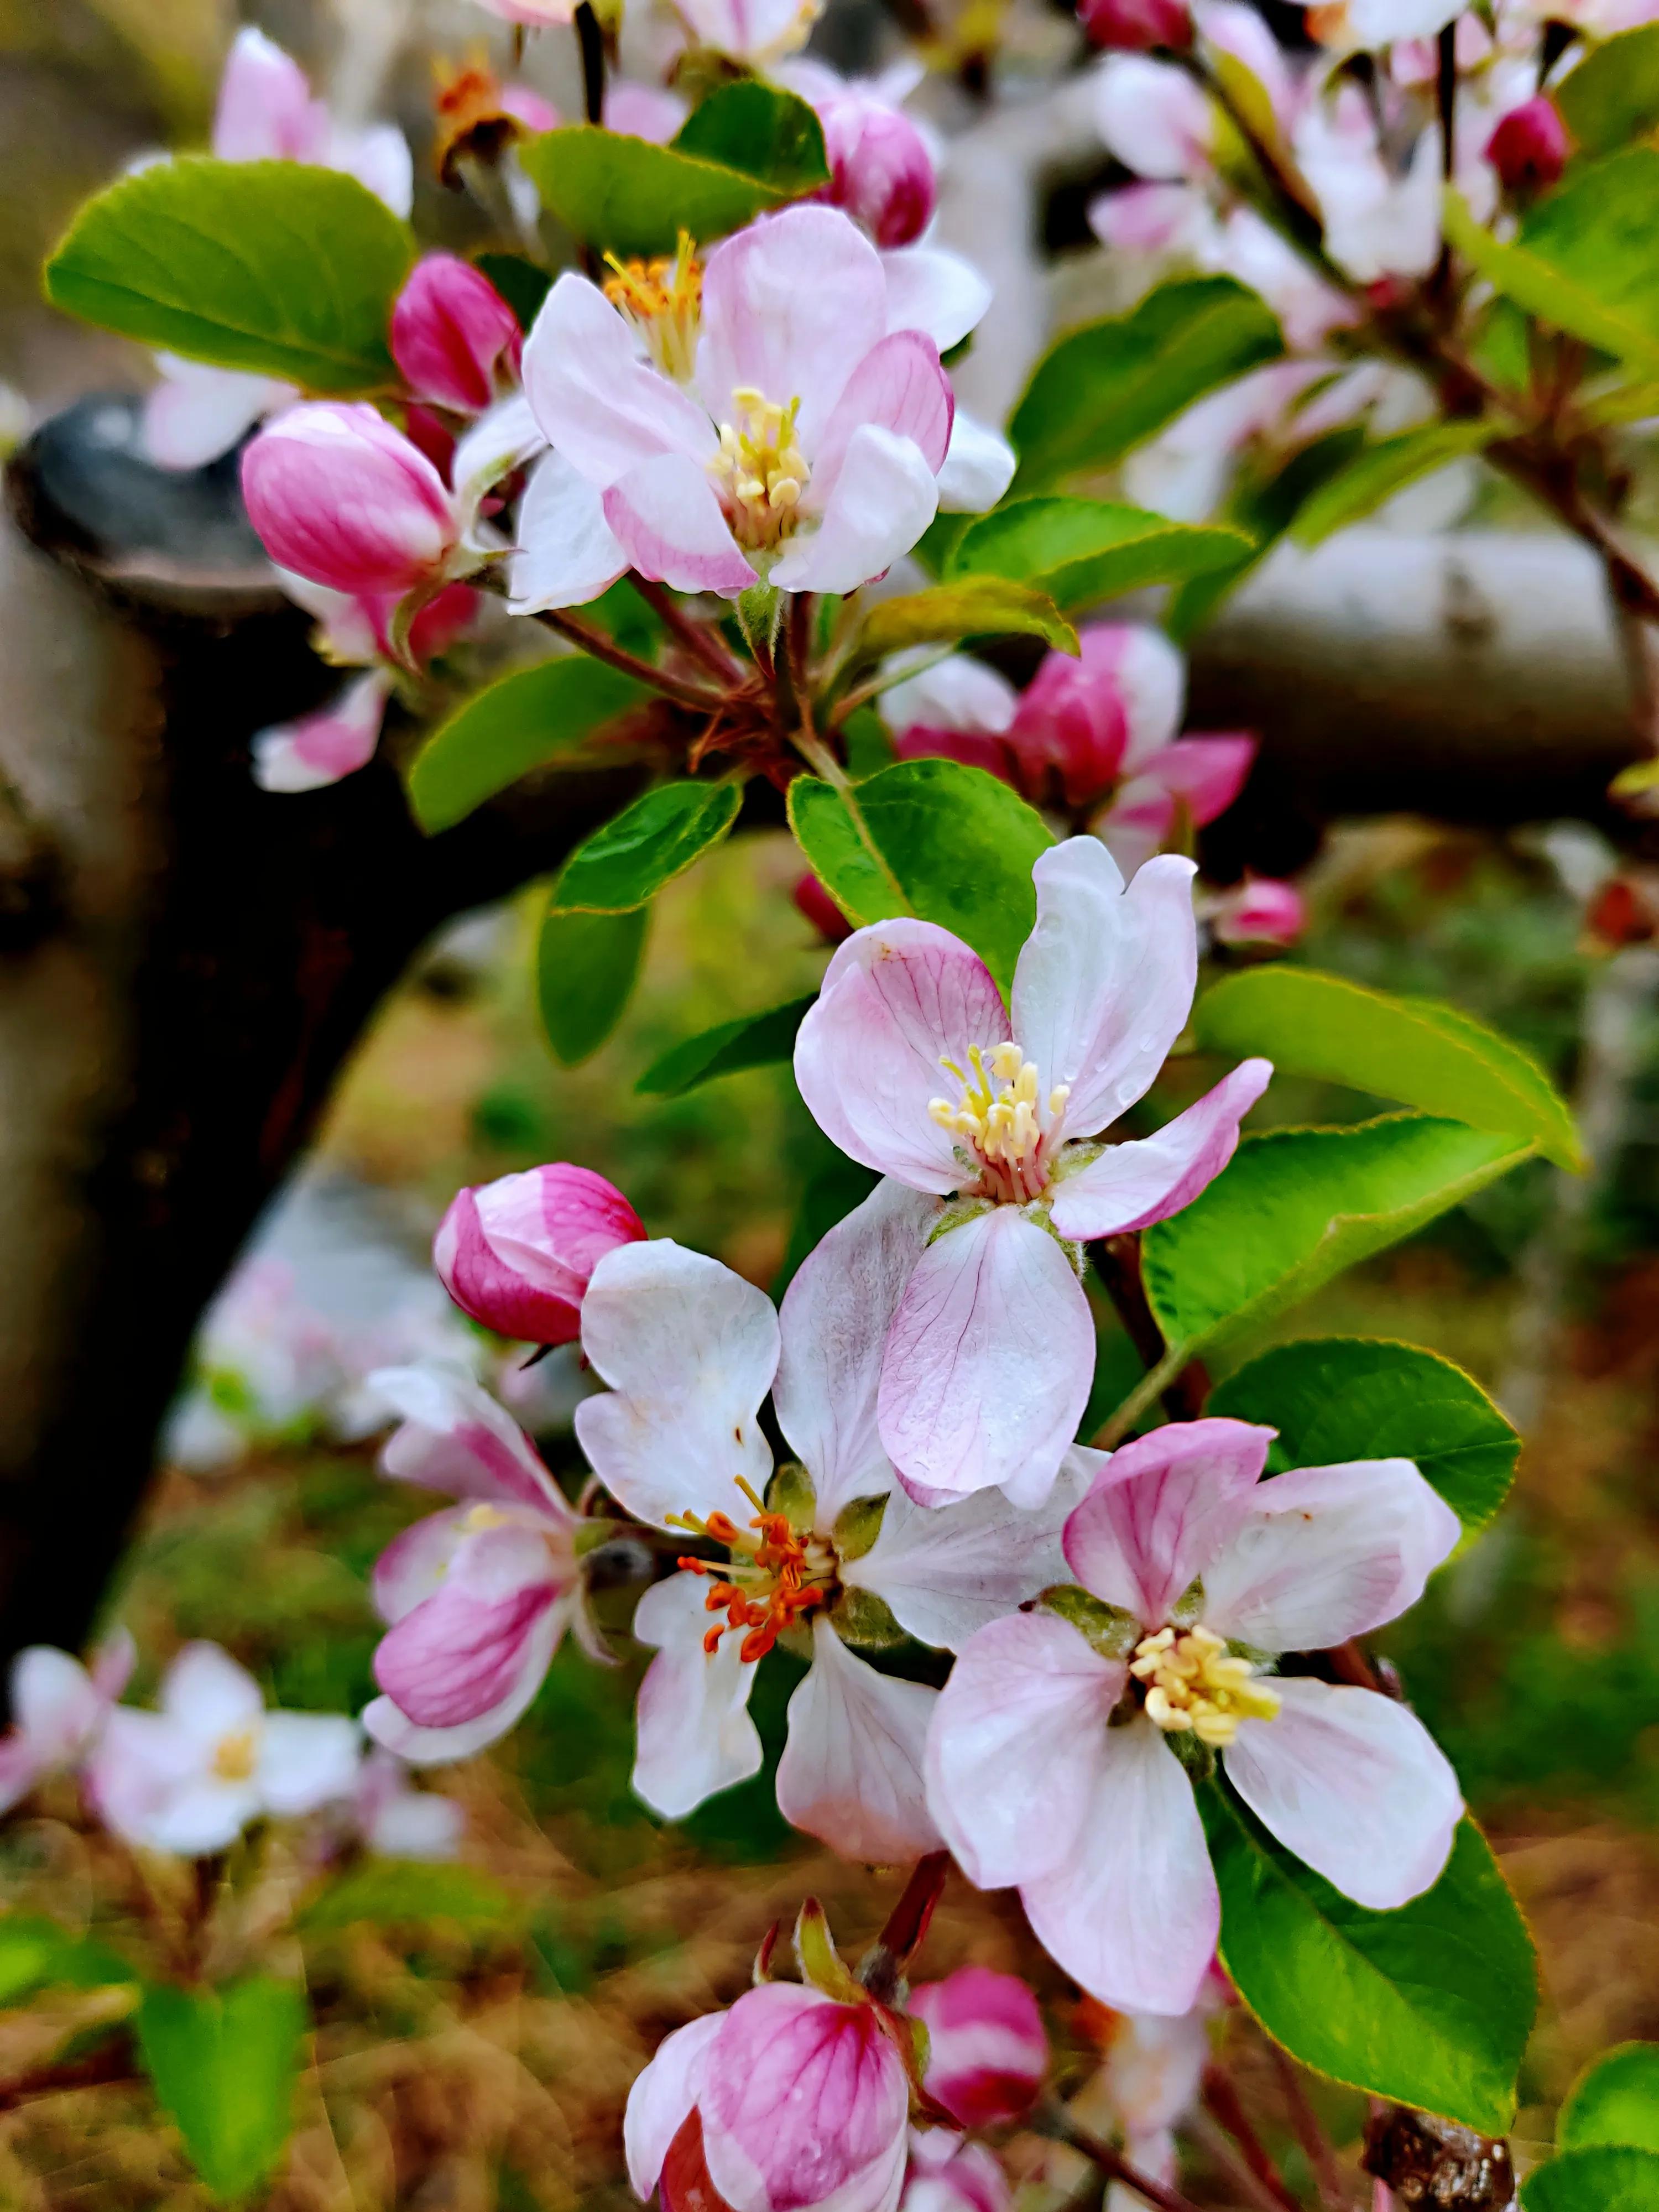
1056,2121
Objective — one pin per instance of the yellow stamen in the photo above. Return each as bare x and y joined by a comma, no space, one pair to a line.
1195,1685
998,1109
663,300
760,471
235,1756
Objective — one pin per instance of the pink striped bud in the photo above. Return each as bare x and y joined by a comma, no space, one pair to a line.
517,1254
987,2051
1082,723
338,496
1529,148
820,910
1259,911
1136,27
453,334
880,170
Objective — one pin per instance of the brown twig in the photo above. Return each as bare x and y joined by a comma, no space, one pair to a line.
1231,2166
1112,2163
1221,2098
112,2062
596,642
591,39
1328,2175
693,636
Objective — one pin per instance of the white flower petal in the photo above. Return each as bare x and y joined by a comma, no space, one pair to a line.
851,1773
695,1735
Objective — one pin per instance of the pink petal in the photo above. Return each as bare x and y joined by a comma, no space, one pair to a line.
666,516
414,1565
460,1651
453,334
598,403
568,553
957,694
988,2050
643,110
265,111
320,748
1133,1184
662,2098
851,1770
989,1361
340,497
833,1325
883,498
1205,773
1328,1552
55,1707
1015,1744
1105,982
1353,1785
693,1733
1160,1511
430,1747
517,1254
196,413
899,999
898,386
1153,118
1133,1913
456,1438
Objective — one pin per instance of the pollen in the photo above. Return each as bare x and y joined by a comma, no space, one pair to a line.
776,1578
1194,1685
234,1756
662,298
760,470
998,1114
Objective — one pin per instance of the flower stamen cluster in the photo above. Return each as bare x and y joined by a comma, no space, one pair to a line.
998,1114
760,472
662,299
776,1577
1195,1685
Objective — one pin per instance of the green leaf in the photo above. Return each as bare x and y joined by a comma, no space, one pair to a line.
645,846
751,1041
1295,1206
1263,509
979,606
625,196
268,266
523,284
1610,2179
1612,96
1417,1050
586,967
1430,2005
36,1954
1083,550
223,2063
1335,1399
761,131
1381,469
952,845
410,1893
518,723
1614,2100
1108,387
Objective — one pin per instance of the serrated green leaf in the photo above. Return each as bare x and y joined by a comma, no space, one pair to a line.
1417,1050
1381,469
1609,2179
1614,2100
976,606
645,846
1612,95
1080,551
1295,1206
410,1893
761,131
1335,1399
587,965
752,1041
268,266
521,722
223,2063
1430,2005
1105,389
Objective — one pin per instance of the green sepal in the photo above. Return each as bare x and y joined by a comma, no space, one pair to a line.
857,1527
1106,1628
791,1493
865,1621
821,1964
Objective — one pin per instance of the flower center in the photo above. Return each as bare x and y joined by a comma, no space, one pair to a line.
775,1578
662,298
760,471
998,1114
234,1756
1194,1685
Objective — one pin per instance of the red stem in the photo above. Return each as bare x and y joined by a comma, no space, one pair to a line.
1113,2164
1222,2099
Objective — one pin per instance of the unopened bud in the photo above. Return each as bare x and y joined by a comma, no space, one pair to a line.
880,170
821,910
339,496
1529,148
1261,911
453,334
1136,27
517,1254
987,2048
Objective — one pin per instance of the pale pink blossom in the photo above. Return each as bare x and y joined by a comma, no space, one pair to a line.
1052,1760
690,1350
1261,910
517,1254
1381,218
189,1776
987,2051
396,1820
1149,2080
455,340
643,110
534,15
948,2173
760,32
1154,118
478,1596
58,1709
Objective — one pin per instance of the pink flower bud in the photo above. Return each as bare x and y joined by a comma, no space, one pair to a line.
987,2051
821,910
1260,911
338,496
453,334
1529,148
880,170
517,1254
1135,27
1083,723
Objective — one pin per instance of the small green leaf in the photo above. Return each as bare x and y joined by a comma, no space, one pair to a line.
645,846
1381,469
1107,388
1296,1206
521,722
1430,2005
625,196
751,1041
36,1954
1610,2179
586,967
223,2063
1080,551
761,131
411,1894
977,606
952,845
1614,2100
269,266
523,284
1417,1050
1335,1399
1612,95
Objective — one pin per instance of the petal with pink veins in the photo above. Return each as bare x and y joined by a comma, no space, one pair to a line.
1105,982
693,1733
987,2051
1161,1510
1014,1745
415,1563
667,517
883,498
1147,1179
1133,1913
897,999
460,1651
1328,1552
455,1437
851,1773
568,553
989,1361
936,292
661,2098
899,386
431,1746
598,404
1355,1785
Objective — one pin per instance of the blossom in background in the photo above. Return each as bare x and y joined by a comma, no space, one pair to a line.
759,32
910,1062
478,1596
396,1820
1052,1760
948,2173
987,2051
455,340
59,1709
834,1556
516,1254
1149,2080
189,1776
1136,26
882,171
1261,910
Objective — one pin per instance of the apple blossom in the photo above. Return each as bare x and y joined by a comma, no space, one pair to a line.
453,336
1529,148
834,1556
396,1820
759,32
478,1596
881,171
516,1254
343,499
986,1369
643,110
1149,2080
947,2173
987,2051
58,1709
1062,1749
189,1776
1259,911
